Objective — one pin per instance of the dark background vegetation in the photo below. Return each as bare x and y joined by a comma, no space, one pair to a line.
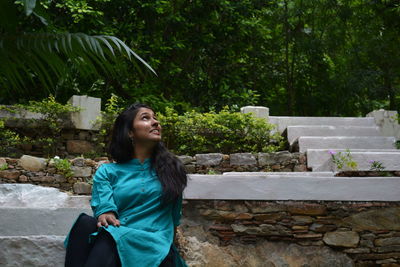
300,57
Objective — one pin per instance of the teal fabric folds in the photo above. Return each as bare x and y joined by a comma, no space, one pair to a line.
132,190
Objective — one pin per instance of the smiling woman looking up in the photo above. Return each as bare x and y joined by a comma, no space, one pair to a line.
136,201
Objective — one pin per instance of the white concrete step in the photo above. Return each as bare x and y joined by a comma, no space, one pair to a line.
345,142
281,174
321,160
37,251
283,122
38,221
294,132
35,210
293,188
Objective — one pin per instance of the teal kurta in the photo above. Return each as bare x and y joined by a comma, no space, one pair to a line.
132,190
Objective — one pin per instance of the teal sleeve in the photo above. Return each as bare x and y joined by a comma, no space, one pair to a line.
177,211
102,193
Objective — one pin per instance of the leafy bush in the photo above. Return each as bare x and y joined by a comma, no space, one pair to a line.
223,132
63,166
10,140
46,131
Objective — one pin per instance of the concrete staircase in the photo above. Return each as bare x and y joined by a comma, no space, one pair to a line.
35,221
317,136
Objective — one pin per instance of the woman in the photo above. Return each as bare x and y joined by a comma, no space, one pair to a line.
136,201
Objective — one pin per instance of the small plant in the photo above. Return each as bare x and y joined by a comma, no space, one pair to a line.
63,166
376,165
3,167
211,172
398,144
113,107
343,160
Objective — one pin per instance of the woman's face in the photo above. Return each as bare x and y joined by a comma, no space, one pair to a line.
146,127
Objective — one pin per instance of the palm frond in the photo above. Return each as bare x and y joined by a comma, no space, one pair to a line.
47,56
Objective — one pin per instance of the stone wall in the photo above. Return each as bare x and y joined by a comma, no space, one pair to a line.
35,170
290,233
72,142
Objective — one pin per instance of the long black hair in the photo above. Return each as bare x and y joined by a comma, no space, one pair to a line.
169,168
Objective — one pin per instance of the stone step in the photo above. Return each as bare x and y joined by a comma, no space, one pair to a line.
293,188
321,160
345,142
282,174
294,132
38,251
283,122
38,221
35,210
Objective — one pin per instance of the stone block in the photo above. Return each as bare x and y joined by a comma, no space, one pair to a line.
286,187
43,179
85,119
242,159
190,168
342,239
81,171
10,174
357,250
283,121
211,159
82,188
302,220
321,228
375,220
60,178
185,159
79,147
307,209
387,241
265,159
257,111
31,163
295,131
32,251
23,179
264,207
321,160
346,142
388,249
387,122
79,162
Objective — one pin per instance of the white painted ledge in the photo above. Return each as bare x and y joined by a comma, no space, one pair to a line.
232,187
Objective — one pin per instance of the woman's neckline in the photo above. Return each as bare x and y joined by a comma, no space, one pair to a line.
146,160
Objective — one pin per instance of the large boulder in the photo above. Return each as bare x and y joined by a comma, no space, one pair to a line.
31,163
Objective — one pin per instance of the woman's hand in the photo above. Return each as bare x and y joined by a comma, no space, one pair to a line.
107,218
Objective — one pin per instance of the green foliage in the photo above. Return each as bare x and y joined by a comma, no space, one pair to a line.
46,129
376,166
10,140
296,57
223,132
63,166
398,144
3,167
41,54
343,160
54,116
113,107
